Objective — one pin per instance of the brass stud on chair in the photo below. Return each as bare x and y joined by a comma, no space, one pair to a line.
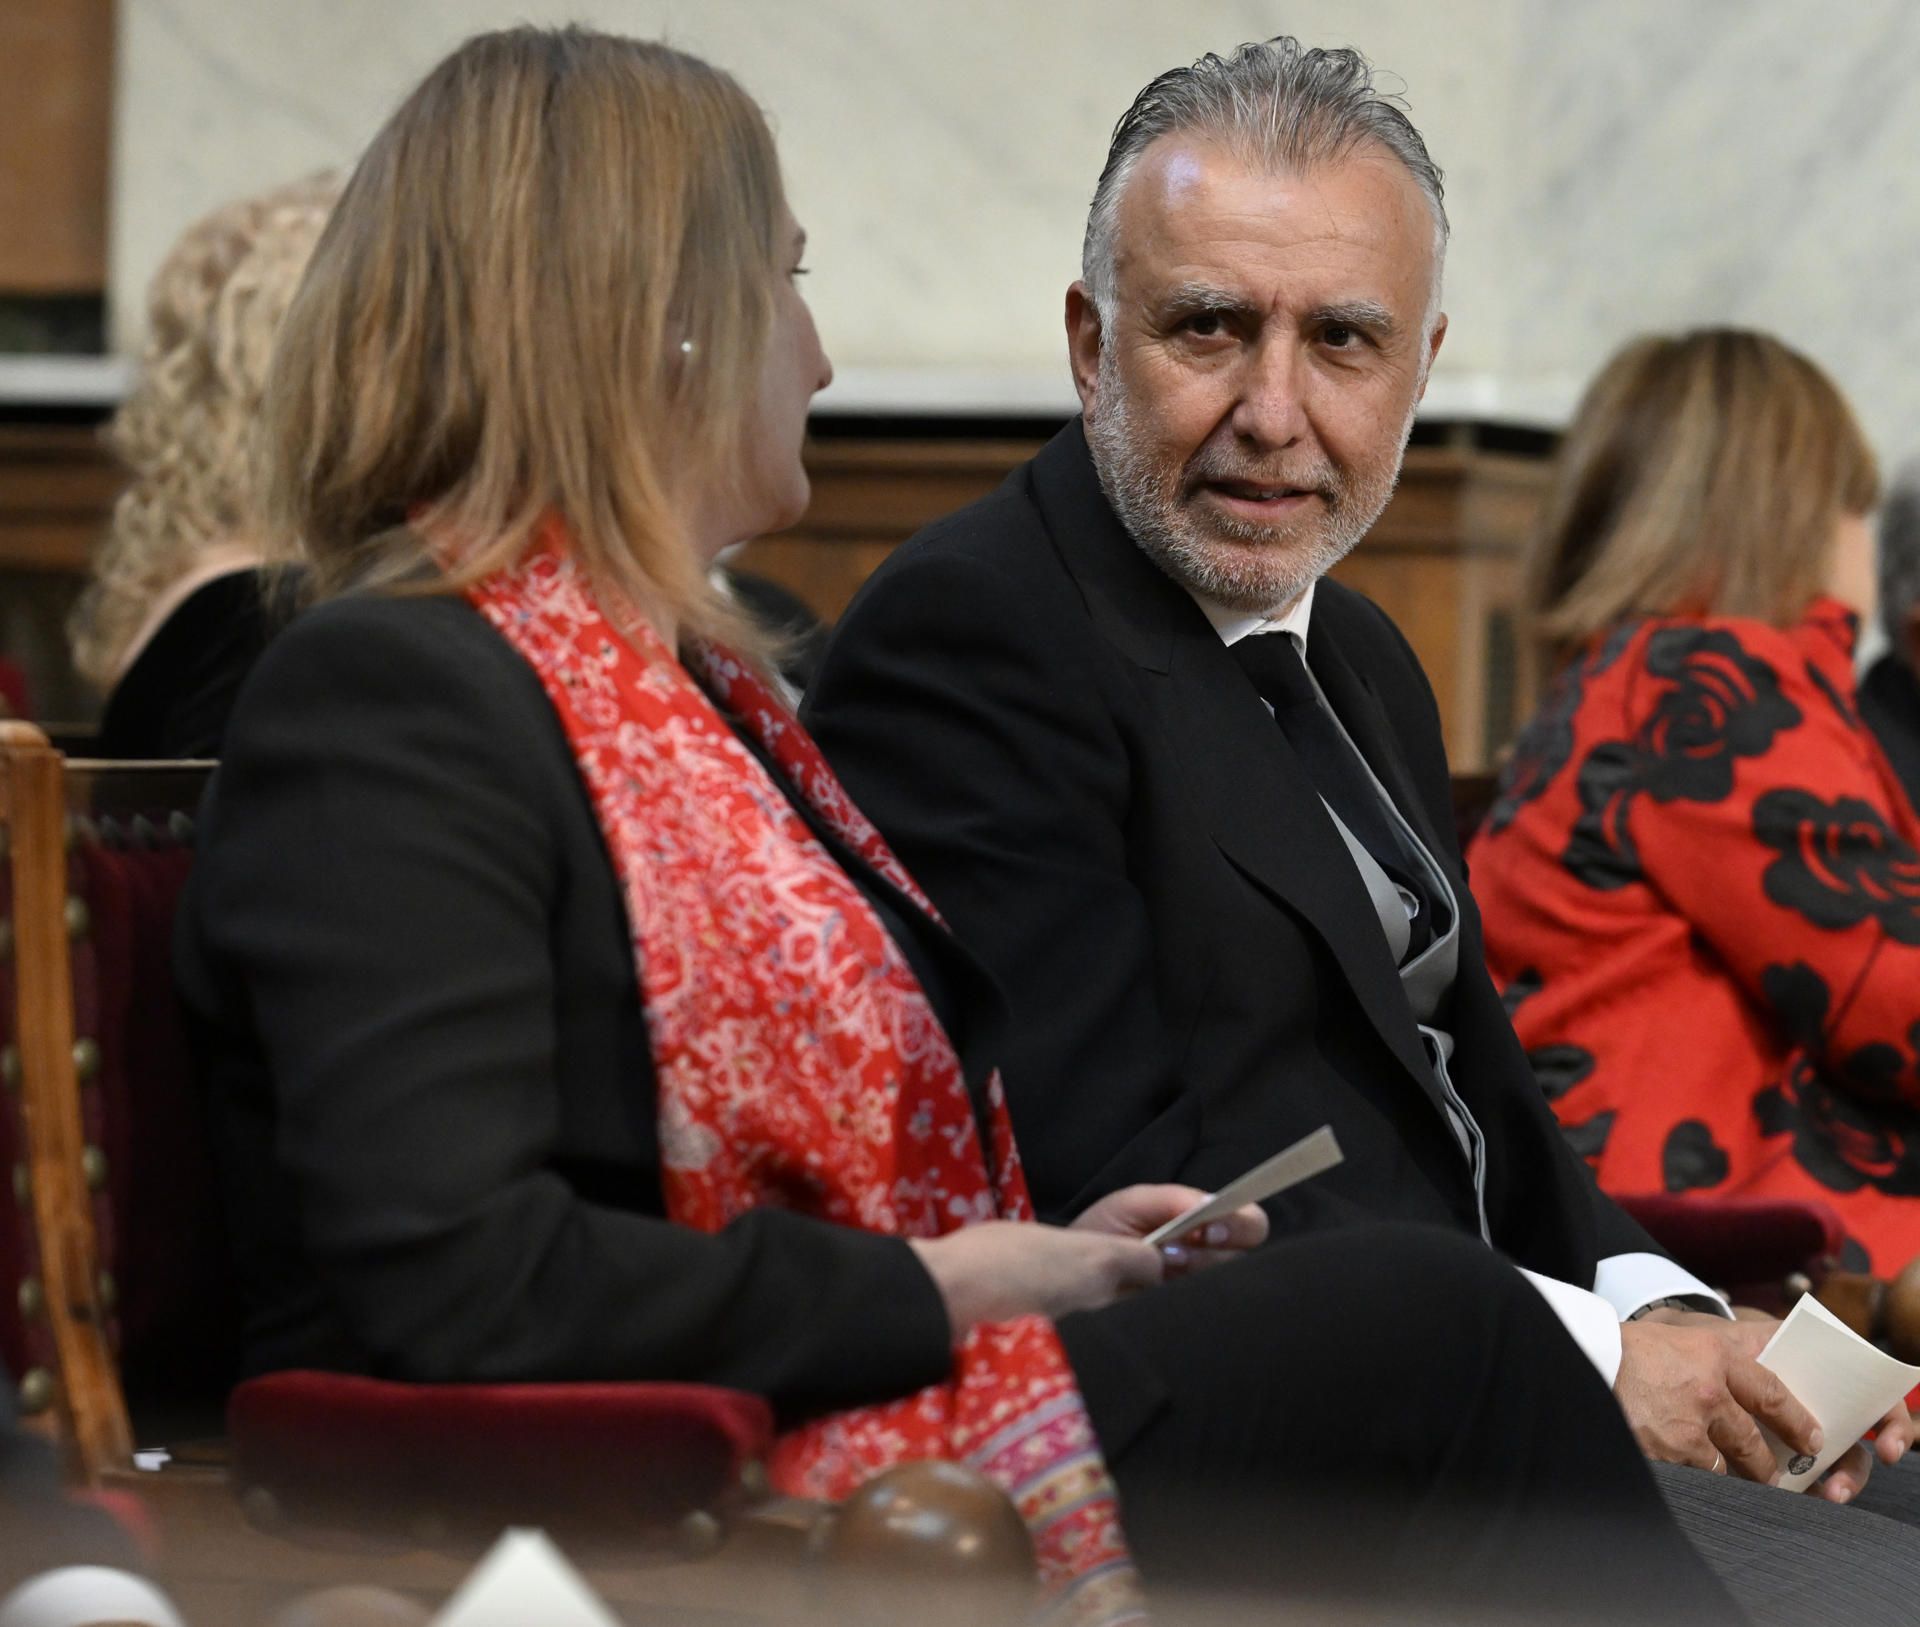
10,1067
109,1292
698,1534
753,1481
33,1298
86,1060
79,918
93,1165
36,1391
261,1509
22,1186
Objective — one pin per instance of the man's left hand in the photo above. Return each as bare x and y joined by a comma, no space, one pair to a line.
1848,1476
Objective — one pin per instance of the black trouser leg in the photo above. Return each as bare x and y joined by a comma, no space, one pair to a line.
1388,1417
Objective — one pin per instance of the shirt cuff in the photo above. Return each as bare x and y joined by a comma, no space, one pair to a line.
1591,1320
1631,1282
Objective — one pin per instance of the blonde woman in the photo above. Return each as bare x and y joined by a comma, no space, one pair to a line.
1701,880
177,610
565,1020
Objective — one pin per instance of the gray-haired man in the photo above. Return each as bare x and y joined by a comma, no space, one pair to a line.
1060,706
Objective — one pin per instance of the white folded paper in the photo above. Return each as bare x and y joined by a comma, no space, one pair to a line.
523,1578
1846,1383
1309,1156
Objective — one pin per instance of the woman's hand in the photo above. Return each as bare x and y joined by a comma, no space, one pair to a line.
1007,1268
1134,1211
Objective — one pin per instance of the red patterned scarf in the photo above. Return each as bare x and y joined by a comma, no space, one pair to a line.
798,1061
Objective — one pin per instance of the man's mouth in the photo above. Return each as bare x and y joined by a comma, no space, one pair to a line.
1255,499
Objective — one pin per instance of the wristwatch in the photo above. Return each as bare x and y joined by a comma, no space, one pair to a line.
1672,1302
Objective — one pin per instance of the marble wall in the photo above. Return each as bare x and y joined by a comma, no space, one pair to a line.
1746,161
1611,164
941,156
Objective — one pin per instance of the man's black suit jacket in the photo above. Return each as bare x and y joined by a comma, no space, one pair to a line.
1066,756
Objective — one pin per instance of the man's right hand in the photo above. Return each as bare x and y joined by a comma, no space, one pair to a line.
1005,1268
1693,1393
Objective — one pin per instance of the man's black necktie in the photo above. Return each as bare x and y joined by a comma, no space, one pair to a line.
1274,663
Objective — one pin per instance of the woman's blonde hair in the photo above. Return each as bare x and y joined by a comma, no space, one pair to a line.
546,290
186,430
1703,474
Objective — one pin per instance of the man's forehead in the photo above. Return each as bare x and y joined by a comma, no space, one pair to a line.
1190,198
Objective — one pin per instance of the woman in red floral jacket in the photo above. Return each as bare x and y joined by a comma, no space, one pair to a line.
1699,880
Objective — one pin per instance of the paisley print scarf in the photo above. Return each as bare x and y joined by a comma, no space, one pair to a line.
798,1061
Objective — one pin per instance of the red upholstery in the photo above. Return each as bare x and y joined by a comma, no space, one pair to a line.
14,701
155,1210
1732,1242
369,1454
157,1217
131,1514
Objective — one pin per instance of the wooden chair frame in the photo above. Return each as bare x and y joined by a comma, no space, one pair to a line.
86,1406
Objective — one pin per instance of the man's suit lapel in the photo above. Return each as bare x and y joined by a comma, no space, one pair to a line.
1252,792
1365,720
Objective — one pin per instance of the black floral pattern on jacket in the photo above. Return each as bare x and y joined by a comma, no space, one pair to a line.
1751,1002
1545,746
1840,863
1720,704
1588,1138
1600,850
1843,1143
1864,1136
1691,1159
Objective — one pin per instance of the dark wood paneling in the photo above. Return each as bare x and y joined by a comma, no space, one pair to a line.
57,484
1443,560
56,112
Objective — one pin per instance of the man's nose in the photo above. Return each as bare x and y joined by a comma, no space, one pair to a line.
1270,410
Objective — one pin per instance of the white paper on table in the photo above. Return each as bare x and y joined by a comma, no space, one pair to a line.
1847,1384
524,1578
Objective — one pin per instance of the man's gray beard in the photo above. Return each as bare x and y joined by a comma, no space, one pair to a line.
1273,565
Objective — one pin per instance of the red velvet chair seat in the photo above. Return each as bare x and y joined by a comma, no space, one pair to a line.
1740,1242
371,1455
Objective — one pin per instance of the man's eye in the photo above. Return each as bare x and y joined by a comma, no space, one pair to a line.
1339,336
797,271
1205,324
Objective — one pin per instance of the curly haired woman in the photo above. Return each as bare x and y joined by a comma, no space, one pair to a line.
177,611
1700,881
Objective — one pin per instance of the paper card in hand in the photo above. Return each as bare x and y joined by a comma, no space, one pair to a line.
1846,1383
1309,1156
